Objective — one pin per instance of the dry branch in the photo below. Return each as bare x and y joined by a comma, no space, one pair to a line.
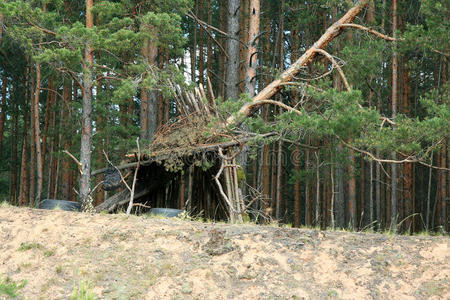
130,205
370,30
336,65
75,159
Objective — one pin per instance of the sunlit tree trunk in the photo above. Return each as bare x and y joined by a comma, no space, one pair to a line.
86,135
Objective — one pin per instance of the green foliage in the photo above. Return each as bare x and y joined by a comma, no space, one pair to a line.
28,246
432,35
10,288
84,291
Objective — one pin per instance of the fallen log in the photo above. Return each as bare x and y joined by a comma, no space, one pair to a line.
121,198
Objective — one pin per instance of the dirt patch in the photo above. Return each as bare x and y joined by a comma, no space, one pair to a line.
153,258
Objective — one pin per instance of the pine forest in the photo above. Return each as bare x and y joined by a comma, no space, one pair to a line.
326,113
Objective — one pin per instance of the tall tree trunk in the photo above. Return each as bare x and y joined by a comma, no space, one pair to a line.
54,140
86,135
222,60
47,119
149,113
13,161
243,45
209,50
3,111
100,147
408,168
361,212
32,148
308,199
252,58
24,175
394,210
443,187
332,210
37,136
279,178
296,153
317,204
66,171
351,185
201,50
297,184
1,27
232,78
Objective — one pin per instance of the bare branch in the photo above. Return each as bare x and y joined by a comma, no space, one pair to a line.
130,205
41,29
75,159
336,65
120,173
278,103
409,159
219,185
369,30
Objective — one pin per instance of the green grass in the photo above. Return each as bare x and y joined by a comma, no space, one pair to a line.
10,288
84,291
28,246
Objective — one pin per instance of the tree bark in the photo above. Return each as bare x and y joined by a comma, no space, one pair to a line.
443,187
65,180
3,112
232,78
86,136
13,161
24,177
394,210
1,27
37,136
308,199
201,50
351,185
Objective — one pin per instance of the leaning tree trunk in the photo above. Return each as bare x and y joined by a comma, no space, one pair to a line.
276,85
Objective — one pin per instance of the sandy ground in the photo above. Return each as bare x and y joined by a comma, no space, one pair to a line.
155,258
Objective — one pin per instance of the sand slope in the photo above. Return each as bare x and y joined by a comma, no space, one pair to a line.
153,258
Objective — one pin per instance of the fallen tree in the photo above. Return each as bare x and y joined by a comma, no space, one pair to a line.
332,32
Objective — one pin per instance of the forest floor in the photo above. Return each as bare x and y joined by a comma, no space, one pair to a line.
55,252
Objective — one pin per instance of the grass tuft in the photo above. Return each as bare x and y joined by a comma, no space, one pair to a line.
10,288
28,246
84,291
